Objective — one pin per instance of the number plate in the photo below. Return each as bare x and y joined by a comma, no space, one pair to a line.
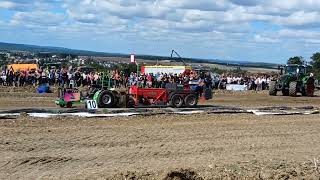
92,104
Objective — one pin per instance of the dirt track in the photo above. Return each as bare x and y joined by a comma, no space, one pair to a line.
24,98
161,147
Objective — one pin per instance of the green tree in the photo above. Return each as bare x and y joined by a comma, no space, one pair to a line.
315,62
295,60
3,60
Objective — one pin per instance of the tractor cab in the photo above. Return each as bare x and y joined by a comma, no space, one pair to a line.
295,69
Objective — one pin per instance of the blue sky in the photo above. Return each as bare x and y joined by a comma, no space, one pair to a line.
247,30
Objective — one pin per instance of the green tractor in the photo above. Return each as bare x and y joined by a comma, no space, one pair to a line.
293,79
107,96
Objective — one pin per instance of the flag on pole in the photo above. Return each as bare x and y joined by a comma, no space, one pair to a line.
132,58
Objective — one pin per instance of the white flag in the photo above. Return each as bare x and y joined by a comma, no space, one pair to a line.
132,58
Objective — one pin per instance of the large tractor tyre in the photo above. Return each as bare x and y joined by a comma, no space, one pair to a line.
293,89
106,99
272,88
176,101
130,102
191,100
304,91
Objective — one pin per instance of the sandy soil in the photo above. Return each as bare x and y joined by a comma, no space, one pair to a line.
161,147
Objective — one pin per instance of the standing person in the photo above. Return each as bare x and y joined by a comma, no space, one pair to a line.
116,79
78,77
149,80
3,76
16,78
268,82
263,83
90,78
52,77
63,77
44,77
258,83
56,76
253,84
10,76
96,77
84,79
22,78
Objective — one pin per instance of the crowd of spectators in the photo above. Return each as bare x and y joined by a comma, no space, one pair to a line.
255,82
159,80
53,77
63,76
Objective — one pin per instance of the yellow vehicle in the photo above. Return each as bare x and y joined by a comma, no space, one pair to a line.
23,67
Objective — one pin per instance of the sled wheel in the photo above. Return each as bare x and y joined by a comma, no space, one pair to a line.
176,101
191,100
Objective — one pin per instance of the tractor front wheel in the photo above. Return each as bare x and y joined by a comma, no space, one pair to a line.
293,89
272,88
285,92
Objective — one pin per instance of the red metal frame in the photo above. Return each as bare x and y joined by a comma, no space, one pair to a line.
152,95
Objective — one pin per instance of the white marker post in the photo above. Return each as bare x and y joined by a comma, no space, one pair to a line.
132,58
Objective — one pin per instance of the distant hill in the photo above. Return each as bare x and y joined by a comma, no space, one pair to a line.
61,50
49,49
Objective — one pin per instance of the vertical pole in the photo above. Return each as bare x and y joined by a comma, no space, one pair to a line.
137,68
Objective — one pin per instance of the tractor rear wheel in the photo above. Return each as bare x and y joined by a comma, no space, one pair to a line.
106,99
191,100
176,101
293,89
272,88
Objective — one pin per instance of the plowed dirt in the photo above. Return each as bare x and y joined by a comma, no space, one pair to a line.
222,146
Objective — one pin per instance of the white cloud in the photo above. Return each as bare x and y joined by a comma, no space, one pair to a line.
299,18
298,34
37,18
230,22
264,39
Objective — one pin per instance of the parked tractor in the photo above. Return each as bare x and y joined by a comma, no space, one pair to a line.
293,79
